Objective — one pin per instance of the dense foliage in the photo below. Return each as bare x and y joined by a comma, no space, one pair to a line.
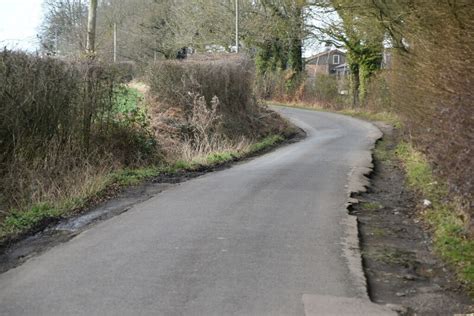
207,103
431,46
59,117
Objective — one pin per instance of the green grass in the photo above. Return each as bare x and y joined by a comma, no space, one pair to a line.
371,206
22,221
419,172
127,99
127,177
266,143
450,238
180,165
217,158
383,153
379,232
391,256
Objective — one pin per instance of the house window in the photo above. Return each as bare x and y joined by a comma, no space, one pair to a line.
335,59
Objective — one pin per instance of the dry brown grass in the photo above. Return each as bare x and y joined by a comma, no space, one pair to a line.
207,104
60,129
431,87
72,132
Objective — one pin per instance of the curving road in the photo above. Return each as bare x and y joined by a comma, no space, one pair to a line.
270,236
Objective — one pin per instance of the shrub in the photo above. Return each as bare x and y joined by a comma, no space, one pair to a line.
279,85
431,86
322,89
125,71
271,86
378,98
58,119
287,86
176,83
207,104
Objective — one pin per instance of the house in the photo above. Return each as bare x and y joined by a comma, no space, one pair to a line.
342,70
329,62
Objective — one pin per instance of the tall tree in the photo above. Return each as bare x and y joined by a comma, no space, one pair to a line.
351,26
64,28
281,46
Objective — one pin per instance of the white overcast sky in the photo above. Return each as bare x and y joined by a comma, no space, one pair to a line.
19,23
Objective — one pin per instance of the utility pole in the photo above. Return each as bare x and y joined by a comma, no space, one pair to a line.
56,42
115,42
91,25
236,26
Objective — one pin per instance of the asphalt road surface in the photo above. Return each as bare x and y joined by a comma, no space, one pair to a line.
270,236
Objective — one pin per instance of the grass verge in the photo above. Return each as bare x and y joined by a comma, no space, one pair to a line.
21,222
371,206
387,117
450,237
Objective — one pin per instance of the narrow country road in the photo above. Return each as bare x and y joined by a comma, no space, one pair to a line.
270,236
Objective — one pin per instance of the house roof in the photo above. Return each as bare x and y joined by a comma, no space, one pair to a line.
326,52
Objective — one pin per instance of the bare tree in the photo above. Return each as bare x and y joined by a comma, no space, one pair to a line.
64,28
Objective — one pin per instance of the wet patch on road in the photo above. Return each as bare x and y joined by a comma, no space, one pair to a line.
20,251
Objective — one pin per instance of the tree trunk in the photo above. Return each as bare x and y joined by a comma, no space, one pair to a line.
355,84
295,55
91,25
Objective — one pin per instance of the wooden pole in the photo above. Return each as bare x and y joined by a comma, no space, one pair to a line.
236,26
115,42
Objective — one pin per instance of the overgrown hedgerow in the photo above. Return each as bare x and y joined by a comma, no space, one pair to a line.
207,104
71,131
61,125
